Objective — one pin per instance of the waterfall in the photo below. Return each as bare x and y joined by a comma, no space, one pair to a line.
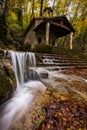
19,61
26,90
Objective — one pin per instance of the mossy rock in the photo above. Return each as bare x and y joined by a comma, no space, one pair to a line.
7,82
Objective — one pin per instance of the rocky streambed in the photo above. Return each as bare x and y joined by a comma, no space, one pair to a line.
62,107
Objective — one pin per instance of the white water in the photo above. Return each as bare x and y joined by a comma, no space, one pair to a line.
47,61
25,93
19,60
53,75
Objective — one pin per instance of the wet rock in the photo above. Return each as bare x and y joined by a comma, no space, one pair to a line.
60,88
31,74
1,53
35,74
43,73
7,81
79,85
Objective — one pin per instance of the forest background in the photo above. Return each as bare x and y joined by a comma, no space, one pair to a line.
15,16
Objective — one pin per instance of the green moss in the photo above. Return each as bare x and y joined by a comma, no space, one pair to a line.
43,48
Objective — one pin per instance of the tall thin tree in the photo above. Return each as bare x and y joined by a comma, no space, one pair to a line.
41,7
3,25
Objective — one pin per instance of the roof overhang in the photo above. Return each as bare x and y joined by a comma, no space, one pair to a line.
59,30
59,26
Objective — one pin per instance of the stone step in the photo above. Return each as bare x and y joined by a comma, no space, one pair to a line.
60,57
80,67
62,64
63,58
70,61
55,68
62,61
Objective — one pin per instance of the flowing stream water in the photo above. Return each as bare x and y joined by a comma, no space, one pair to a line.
29,83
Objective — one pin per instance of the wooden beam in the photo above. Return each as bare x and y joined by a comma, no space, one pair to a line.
60,25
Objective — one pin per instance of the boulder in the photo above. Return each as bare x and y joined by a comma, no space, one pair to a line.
43,73
7,81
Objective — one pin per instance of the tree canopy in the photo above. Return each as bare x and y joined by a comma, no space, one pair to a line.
17,14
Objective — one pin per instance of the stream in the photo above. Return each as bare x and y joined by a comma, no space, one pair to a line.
30,83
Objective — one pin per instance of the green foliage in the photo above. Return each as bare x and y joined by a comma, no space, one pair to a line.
18,14
43,48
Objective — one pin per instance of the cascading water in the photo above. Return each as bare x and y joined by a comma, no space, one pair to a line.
29,83
19,61
27,88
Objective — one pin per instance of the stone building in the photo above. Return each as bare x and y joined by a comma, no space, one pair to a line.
47,29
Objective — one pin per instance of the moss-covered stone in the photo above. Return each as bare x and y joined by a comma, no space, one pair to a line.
7,81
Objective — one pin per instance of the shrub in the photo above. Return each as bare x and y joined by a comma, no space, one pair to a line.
43,48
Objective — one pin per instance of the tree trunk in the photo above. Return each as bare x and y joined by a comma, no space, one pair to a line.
20,19
3,25
41,7
33,8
